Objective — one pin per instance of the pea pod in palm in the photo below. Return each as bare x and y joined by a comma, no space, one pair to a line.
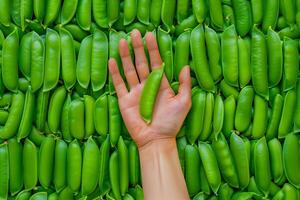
21,10
192,165
182,52
197,43
243,16
68,11
259,63
149,93
51,9
14,118
4,169
30,165
90,167
101,115
10,61
229,51
290,63
76,119
27,115
74,164
52,60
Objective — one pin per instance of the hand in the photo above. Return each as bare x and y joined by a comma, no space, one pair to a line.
170,109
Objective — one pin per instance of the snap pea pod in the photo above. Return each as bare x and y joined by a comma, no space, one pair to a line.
15,166
90,167
74,162
228,14
101,115
60,163
39,196
244,62
4,169
182,52
182,10
30,165
36,136
23,195
290,63
149,93
51,11
240,157
5,14
24,53
242,15
259,63
143,11
68,58
23,84
100,13
260,117
114,174
84,14
14,118
77,33
188,23
208,117
130,10
46,161
213,52
89,106
168,13
114,120
201,65
113,11
192,164
6,101
55,108
289,11
134,164
10,61
228,90
229,115
200,10
52,60
123,166
68,11
288,110
257,11
204,185
218,116
104,182
3,117
27,115
275,150
37,62
272,129
270,15
216,14
76,119
166,49
291,161
83,69
41,109
20,11
297,110
229,48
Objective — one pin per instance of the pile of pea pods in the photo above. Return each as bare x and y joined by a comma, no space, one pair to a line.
61,131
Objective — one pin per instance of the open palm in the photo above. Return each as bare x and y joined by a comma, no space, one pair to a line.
170,110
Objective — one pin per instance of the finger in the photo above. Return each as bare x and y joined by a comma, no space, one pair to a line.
116,78
141,62
184,91
128,66
154,54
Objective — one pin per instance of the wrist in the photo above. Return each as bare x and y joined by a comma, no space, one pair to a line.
161,145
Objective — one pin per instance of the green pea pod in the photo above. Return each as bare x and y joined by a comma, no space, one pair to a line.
192,164
257,11
6,101
225,192
188,23
83,14
20,11
39,196
114,174
260,117
243,16
46,161
23,84
244,109
60,163
113,11
68,11
143,11
52,60
259,63
228,14
291,160
74,162
14,118
155,11
244,62
281,23
196,115
262,171
65,129
27,115
3,117
275,150
76,119
166,48
100,13
4,170
77,33
101,115
168,13
200,10
123,166
90,167
83,69
36,136
216,14
208,117
230,59
213,51
274,121
228,90
30,165
287,116
134,164
182,10
51,11
24,53
37,62
55,109
5,14
225,160
68,59
104,183
290,64
275,59
218,115
291,32
15,166
252,187
99,56
149,93
240,157
89,107
289,11
130,10
10,61
204,185
66,193
297,110
270,15
23,195
114,120
53,196
41,109
182,53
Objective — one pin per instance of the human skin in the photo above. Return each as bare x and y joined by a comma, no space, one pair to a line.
161,172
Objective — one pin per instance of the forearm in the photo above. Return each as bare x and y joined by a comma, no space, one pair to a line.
161,172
